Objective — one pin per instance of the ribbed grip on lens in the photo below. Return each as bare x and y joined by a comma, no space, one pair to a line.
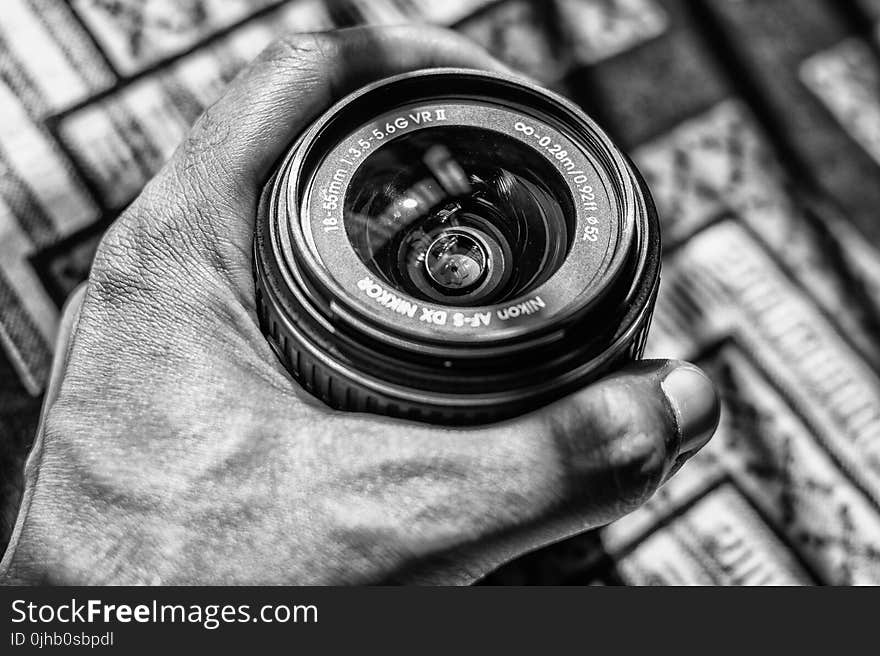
342,393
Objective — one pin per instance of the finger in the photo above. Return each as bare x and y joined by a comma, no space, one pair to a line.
576,464
618,439
298,77
227,156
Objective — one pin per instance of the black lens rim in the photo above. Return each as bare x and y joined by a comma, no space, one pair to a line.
347,307
443,381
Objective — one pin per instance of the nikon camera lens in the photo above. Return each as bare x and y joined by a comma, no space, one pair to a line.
454,246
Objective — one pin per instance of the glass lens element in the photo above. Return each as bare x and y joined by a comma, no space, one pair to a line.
455,261
459,215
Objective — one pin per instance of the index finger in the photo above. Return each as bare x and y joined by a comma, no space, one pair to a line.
201,208
297,77
217,173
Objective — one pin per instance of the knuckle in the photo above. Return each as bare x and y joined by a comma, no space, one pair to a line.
207,166
119,268
628,425
198,150
299,48
585,420
612,446
638,462
136,254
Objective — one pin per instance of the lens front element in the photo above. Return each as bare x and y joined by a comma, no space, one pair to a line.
439,210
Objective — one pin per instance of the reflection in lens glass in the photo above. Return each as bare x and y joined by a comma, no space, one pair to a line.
460,215
455,261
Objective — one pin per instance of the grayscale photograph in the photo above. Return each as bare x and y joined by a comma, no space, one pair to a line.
411,293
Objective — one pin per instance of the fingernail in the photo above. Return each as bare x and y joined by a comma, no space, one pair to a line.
695,404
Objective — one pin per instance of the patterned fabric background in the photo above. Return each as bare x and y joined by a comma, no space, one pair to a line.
757,124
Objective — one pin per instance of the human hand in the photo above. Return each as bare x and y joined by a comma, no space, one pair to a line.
175,449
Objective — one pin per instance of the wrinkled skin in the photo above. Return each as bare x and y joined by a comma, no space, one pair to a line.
174,448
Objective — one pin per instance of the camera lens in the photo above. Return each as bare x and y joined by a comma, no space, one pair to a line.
505,208
454,246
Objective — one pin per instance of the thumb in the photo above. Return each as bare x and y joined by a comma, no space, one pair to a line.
614,443
620,438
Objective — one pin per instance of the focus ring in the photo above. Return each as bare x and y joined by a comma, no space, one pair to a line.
341,393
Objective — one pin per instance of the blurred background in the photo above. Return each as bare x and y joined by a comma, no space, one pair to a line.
757,125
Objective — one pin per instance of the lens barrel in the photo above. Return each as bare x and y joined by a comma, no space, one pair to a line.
454,246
